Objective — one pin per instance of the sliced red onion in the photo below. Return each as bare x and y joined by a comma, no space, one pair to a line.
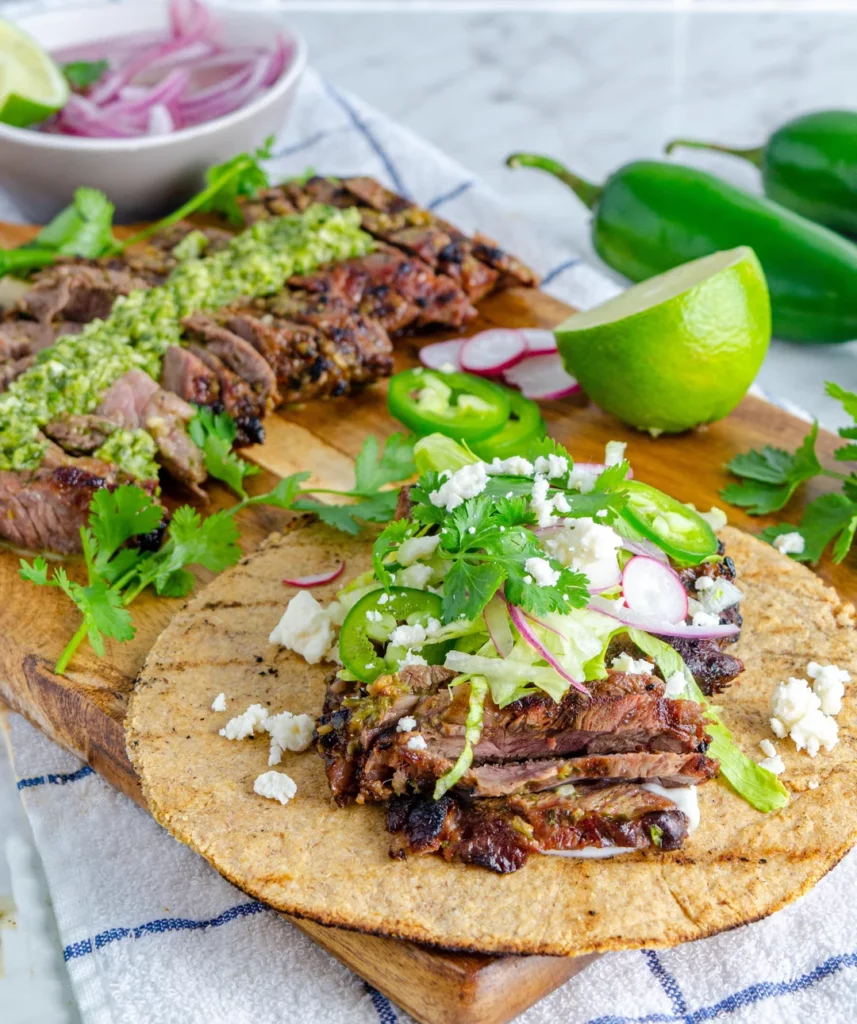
658,626
523,627
160,120
497,623
539,342
542,378
652,588
316,579
646,547
490,353
442,353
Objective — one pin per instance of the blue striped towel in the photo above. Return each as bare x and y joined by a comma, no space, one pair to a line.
152,934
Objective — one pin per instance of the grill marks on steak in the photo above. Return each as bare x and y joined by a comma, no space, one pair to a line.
500,834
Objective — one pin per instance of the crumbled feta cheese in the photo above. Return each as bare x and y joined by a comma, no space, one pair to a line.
582,479
408,636
275,786
464,483
416,743
791,701
614,452
676,686
551,466
417,548
528,579
814,731
634,667
706,619
383,599
790,543
703,583
412,659
812,784
540,503
768,749
560,503
774,764
406,724
219,702
589,547
416,576
448,368
288,732
829,685
514,466
715,517
246,724
374,616
717,598
471,529
542,573
304,628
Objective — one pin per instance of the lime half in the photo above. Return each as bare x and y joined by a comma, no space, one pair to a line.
32,87
678,350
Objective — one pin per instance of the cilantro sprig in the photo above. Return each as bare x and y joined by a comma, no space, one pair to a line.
81,74
117,536
771,476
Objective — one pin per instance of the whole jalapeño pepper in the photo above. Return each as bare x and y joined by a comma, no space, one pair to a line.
650,216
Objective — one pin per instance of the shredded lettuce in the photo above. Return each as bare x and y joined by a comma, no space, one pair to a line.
755,784
472,734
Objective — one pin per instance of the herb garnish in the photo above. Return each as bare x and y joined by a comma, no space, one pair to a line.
770,476
80,74
117,573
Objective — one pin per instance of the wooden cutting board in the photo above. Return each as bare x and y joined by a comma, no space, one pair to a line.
84,710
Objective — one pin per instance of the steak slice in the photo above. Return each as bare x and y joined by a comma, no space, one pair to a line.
20,338
187,376
78,291
126,399
239,355
499,834
236,397
711,666
391,768
11,370
80,434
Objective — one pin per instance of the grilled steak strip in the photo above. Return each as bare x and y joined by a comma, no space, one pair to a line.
80,434
500,834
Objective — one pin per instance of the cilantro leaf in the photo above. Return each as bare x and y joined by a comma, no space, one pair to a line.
828,517
613,477
36,573
372,471
468,587
215,434
771,475
241,177
85,228
548,446
117,516
104,615
847,398
80,74
847,453
388,541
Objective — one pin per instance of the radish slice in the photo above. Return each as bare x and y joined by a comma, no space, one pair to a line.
442,353
542,378
658,626
654,589
497,622
523,627
646,547
315,579
492,352
539,342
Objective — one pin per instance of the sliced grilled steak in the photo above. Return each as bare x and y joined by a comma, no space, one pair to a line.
11,369
20,338
236,397
239,355
80,435
500,834
187,376
76,291
126,399
710,665
392,768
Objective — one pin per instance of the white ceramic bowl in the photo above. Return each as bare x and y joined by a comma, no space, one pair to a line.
143,177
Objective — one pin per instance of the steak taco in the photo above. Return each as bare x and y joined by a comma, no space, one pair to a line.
539,716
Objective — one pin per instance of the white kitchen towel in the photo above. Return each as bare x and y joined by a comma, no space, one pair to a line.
152,935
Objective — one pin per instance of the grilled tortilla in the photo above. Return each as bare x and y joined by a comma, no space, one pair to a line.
332,864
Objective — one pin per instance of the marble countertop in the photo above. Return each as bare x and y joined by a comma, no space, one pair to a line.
592,89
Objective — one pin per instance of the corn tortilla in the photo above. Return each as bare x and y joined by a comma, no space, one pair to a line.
331,864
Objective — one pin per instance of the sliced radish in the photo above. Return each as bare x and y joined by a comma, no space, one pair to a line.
490,353
523,627
442,353
646,547
539,341
654,589
315,579
659,627
542,378
497,622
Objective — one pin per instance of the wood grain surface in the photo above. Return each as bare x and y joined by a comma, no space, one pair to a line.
84,710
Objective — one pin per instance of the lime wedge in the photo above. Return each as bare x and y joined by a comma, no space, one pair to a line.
678,350
32,87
